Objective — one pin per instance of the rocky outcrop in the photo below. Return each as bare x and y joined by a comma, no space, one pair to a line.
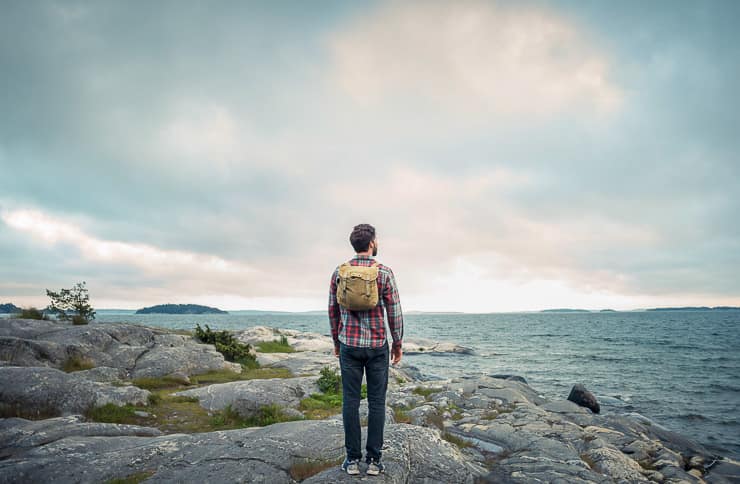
137,350
475,429
47,392
506,426
247,397
271,454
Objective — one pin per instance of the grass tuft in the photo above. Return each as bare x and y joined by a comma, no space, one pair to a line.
321,405
77,363
425,392
275,346
111,413
400,415
267,415
459,442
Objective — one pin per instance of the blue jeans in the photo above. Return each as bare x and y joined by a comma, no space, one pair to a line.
374,362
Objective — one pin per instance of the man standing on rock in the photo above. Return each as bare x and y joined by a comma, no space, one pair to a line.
359,291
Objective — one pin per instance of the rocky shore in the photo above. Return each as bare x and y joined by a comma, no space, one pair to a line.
128,403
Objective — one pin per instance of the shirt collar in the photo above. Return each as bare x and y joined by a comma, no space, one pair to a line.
363,257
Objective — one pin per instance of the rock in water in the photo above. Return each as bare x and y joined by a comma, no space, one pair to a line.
584,398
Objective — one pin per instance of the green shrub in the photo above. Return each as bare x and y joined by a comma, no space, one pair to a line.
79,320
31,313
226,344
363,392
329,381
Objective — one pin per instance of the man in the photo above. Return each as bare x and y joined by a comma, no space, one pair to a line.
361,346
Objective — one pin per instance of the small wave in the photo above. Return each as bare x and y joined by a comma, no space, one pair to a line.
604,358
717,358
724,388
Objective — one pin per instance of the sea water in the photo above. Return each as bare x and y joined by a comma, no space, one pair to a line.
679,368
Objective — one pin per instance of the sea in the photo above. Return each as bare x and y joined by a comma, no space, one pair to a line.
680,369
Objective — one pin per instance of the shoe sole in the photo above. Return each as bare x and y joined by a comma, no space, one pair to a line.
352,473
373,473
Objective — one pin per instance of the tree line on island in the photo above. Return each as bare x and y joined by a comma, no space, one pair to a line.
180,309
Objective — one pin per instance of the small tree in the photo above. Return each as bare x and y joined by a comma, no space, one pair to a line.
72,304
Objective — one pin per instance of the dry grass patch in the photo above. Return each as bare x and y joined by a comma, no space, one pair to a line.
132,479
303,469
400,415
458,441
225,376
77,363
425,392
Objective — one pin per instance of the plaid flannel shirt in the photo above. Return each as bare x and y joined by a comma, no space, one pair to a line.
367,328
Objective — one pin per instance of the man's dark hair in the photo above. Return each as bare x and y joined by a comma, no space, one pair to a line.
361,237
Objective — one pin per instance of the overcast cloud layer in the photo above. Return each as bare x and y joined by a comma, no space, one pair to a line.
513,156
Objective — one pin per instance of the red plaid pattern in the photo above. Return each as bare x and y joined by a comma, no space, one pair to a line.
367,328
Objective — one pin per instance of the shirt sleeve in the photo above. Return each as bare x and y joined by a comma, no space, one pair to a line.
334,313
393,309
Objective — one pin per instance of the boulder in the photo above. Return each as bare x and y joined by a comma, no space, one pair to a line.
424,345
580,396
298,340
103,374
247,397
509,377
615,464
304,363
47,392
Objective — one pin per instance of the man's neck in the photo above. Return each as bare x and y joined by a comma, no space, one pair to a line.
364,254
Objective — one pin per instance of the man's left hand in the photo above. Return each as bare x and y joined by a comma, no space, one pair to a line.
336,351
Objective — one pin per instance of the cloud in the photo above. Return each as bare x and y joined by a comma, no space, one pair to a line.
475,56
530,150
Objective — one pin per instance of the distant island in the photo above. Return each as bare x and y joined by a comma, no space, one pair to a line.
180,309
565,310
697,308
9,308
607,311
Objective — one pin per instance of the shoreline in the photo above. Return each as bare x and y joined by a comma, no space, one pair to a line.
487,429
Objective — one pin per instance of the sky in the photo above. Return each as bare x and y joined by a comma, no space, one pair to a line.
512,156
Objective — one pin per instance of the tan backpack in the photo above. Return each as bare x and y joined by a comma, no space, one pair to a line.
357,289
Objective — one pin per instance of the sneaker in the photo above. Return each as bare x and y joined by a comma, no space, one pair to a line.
375,467
351,467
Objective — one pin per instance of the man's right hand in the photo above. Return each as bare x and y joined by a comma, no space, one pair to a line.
396,354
